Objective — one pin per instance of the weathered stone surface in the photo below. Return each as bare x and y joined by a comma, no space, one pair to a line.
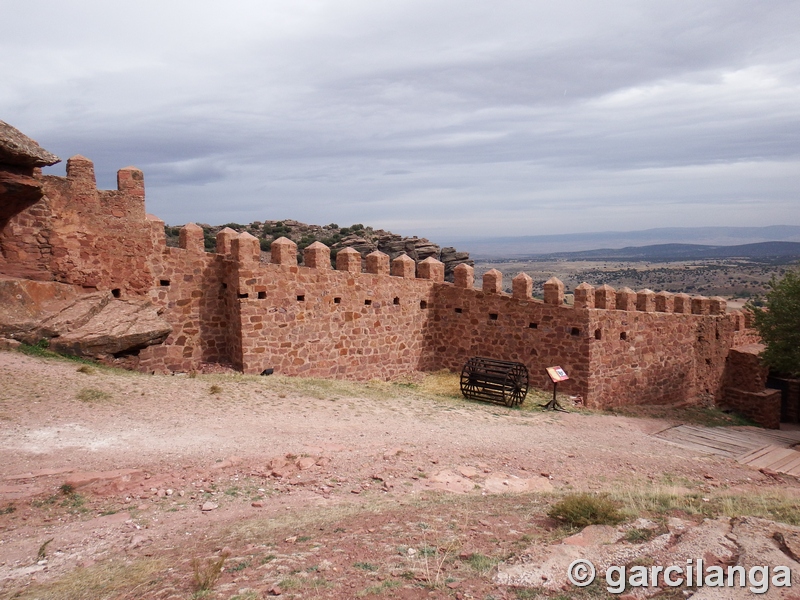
745,542
93,324
121,326
18,149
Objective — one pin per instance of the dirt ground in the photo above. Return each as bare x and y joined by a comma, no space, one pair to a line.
121,485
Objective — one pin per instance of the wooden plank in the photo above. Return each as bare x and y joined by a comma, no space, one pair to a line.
792,466
754,454
699,448
731,437
781,464
711,442
695,444
770,458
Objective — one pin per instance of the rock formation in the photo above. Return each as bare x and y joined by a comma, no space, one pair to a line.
19,157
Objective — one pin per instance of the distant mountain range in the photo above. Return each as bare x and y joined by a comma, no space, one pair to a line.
714,237
764,251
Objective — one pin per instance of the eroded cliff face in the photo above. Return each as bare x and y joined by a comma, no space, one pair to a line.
20,159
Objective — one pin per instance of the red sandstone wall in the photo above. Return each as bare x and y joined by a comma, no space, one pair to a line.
377,329
528,331
77,234
665,358
227,308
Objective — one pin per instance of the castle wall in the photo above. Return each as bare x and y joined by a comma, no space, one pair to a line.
78,234
230,307
327,323
469,322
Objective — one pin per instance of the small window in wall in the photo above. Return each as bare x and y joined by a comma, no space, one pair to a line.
301,298
459,310
423,304
396,300
598,335
367,302
533,326
708,361
116,292
337,300
244,295
717,333
262,295
165,283
224,285
493,316
575,331
623,335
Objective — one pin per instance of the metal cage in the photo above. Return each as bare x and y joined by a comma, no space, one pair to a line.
498,381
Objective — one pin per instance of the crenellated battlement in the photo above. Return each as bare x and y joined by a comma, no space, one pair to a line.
361,318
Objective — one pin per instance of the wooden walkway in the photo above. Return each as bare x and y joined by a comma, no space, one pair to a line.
759,448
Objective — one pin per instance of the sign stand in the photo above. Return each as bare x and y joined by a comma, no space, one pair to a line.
556,374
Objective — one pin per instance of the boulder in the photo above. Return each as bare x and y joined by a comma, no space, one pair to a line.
94,324
19,150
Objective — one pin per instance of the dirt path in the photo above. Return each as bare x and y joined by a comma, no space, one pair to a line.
118,466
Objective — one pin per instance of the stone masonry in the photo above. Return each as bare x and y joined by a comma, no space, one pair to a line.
234,308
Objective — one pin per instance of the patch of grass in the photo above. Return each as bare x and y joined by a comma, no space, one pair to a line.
247,595
92,395
377,590
240,566
85,369
206,573
8,509
638,536
656,501
693,415
215,389
481,563
42,553
105,580
365,566
581,510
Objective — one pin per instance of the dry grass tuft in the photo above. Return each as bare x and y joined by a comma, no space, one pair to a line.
105,580
206,573
92,395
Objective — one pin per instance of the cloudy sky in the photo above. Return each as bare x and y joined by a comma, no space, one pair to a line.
449,119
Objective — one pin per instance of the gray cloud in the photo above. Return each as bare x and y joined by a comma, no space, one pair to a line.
438,118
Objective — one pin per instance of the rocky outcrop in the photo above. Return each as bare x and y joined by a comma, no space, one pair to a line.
94,325
724,542
363,239
19,157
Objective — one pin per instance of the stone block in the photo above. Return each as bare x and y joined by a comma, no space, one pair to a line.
584,296
225,238
493,281
464,276
283,251
130,180
317,256
432,269
626,299
245,249
682,304
191,238
378,263
605,297
522,286
664,302
554,292
404,266
80,170
717,305
701,305
348,259
646,300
